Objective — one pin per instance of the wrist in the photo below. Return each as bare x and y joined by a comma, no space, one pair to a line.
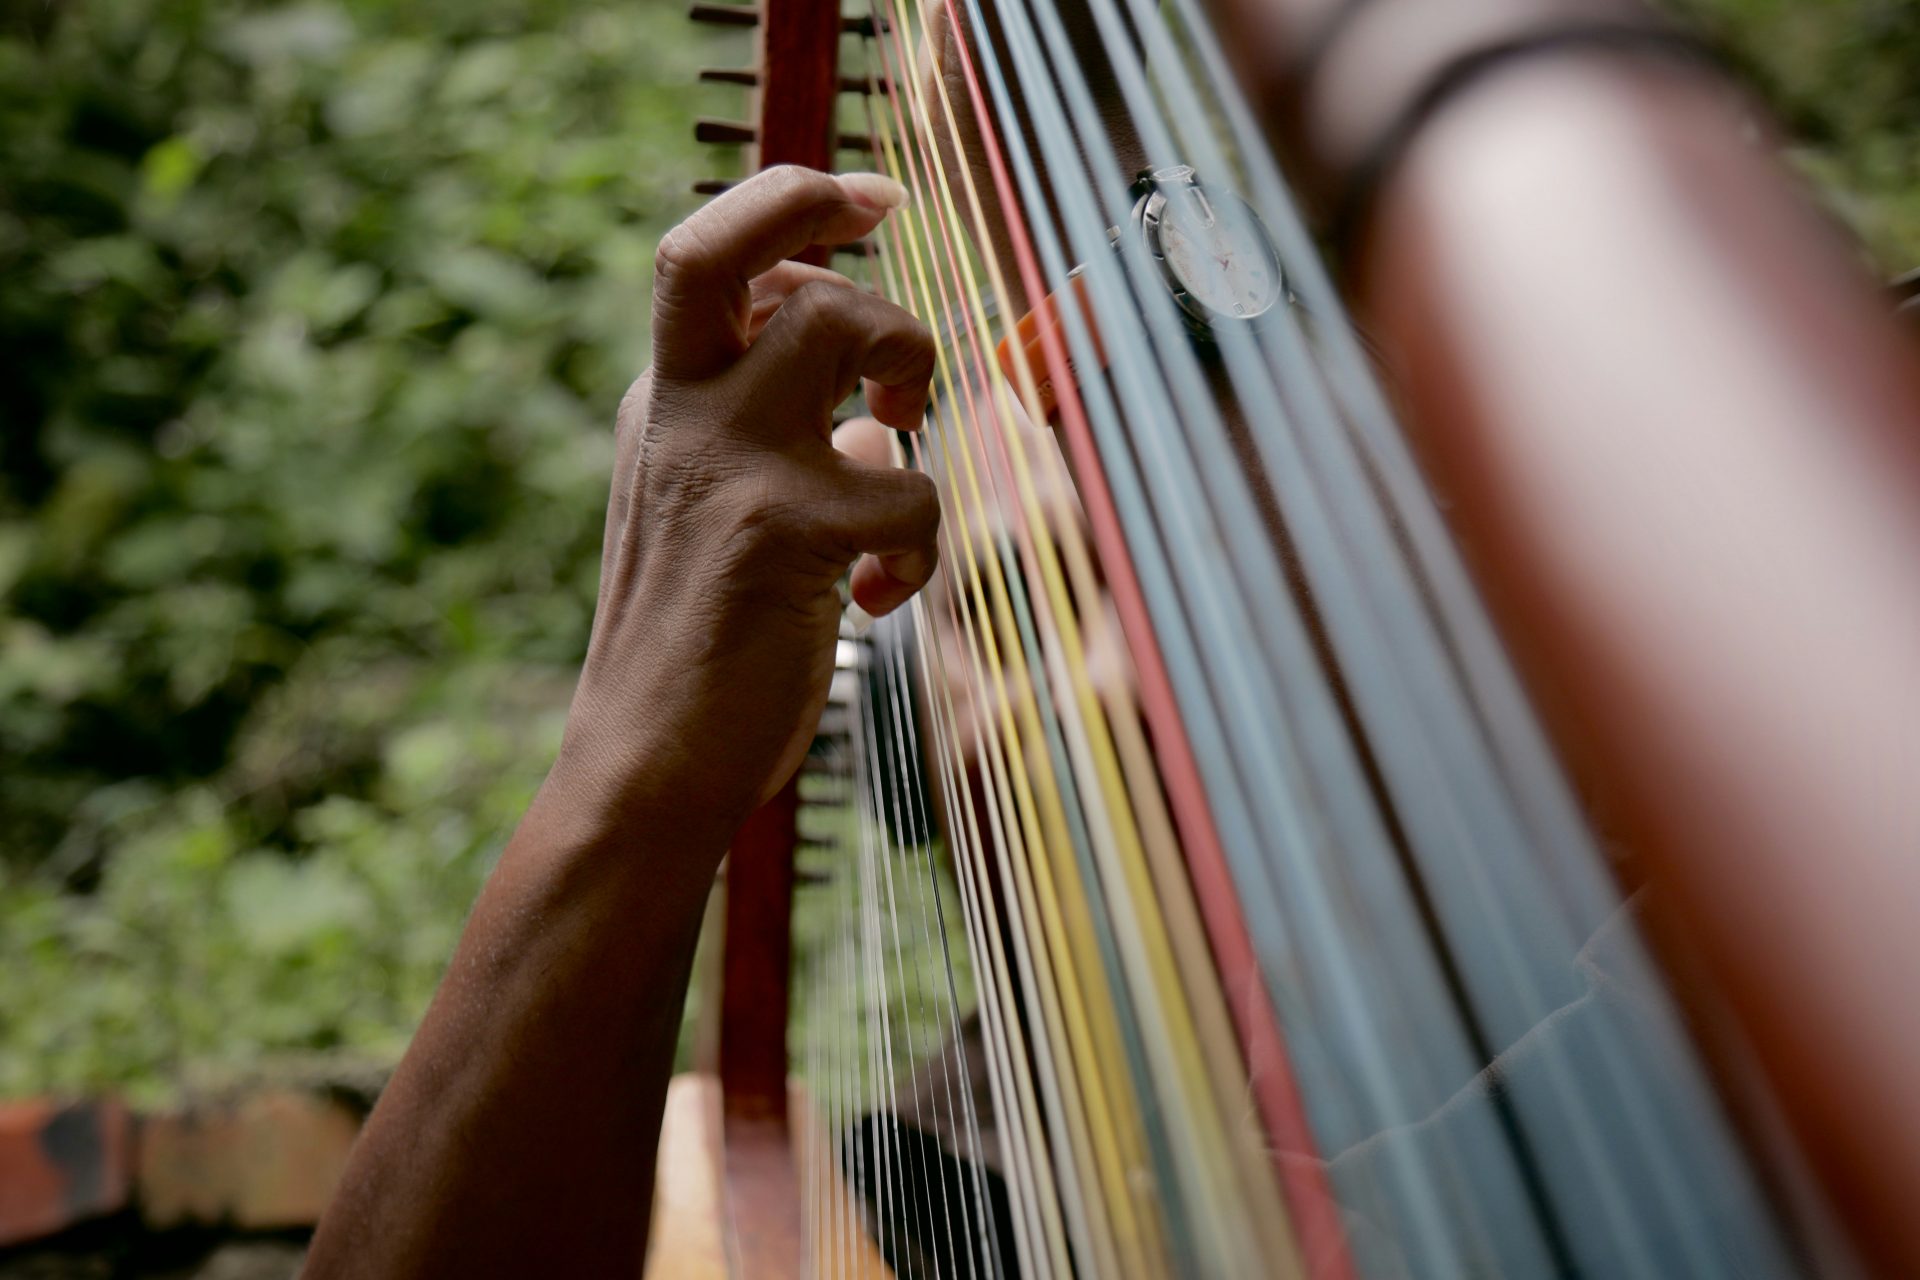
613,804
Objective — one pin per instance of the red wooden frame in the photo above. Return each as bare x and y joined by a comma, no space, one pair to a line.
798,63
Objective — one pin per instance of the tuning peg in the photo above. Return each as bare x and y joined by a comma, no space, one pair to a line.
750,78
723,132
742,15
711,186
725,15
826,843
732,132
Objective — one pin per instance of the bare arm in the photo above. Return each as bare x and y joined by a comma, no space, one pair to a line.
518,1136
1690,482
1679,437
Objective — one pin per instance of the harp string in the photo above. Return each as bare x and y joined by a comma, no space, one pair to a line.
960,1114
1416,693
1298,732
1038,1225
1001,603
1636,1187
1171,887
1030,501
1069,1036
1006,1042
1113,1153
1137,888
1085,365
883,904
1170,613
1273,1086
959,1098
1019,1137
1318,914
1338,740
1167,607
1466,790
1027,547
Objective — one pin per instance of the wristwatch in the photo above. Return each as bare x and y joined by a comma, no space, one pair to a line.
1207,246
1212,251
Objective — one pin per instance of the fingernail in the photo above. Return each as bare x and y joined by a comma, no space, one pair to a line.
859,619
875,190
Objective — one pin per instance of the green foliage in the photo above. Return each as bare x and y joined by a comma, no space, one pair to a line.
1845,77
315,317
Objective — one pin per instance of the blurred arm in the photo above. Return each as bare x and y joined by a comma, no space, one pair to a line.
1679,438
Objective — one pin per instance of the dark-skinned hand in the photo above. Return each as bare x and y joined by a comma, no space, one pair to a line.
733,516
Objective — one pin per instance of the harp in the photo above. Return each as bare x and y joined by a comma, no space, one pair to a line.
1283,946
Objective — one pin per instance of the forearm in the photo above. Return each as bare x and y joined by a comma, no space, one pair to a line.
1677,435
518,1136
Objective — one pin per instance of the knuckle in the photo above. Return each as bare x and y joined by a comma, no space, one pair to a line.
769,524
917,336
920,351
784,183
674,482
912,333
923,504
633,405
822,309
682,256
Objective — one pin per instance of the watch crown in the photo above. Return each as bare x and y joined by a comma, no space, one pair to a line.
1165,175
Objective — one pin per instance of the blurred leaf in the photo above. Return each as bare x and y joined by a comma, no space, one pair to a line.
280,906
300,32
171,167
316,317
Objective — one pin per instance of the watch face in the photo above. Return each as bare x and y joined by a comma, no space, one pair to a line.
1216,250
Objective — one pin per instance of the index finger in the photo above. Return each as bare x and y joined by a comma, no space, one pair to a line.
703,269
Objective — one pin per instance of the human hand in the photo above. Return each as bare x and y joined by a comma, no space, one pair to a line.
732,516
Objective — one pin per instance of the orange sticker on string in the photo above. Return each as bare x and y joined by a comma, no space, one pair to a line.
1031,332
